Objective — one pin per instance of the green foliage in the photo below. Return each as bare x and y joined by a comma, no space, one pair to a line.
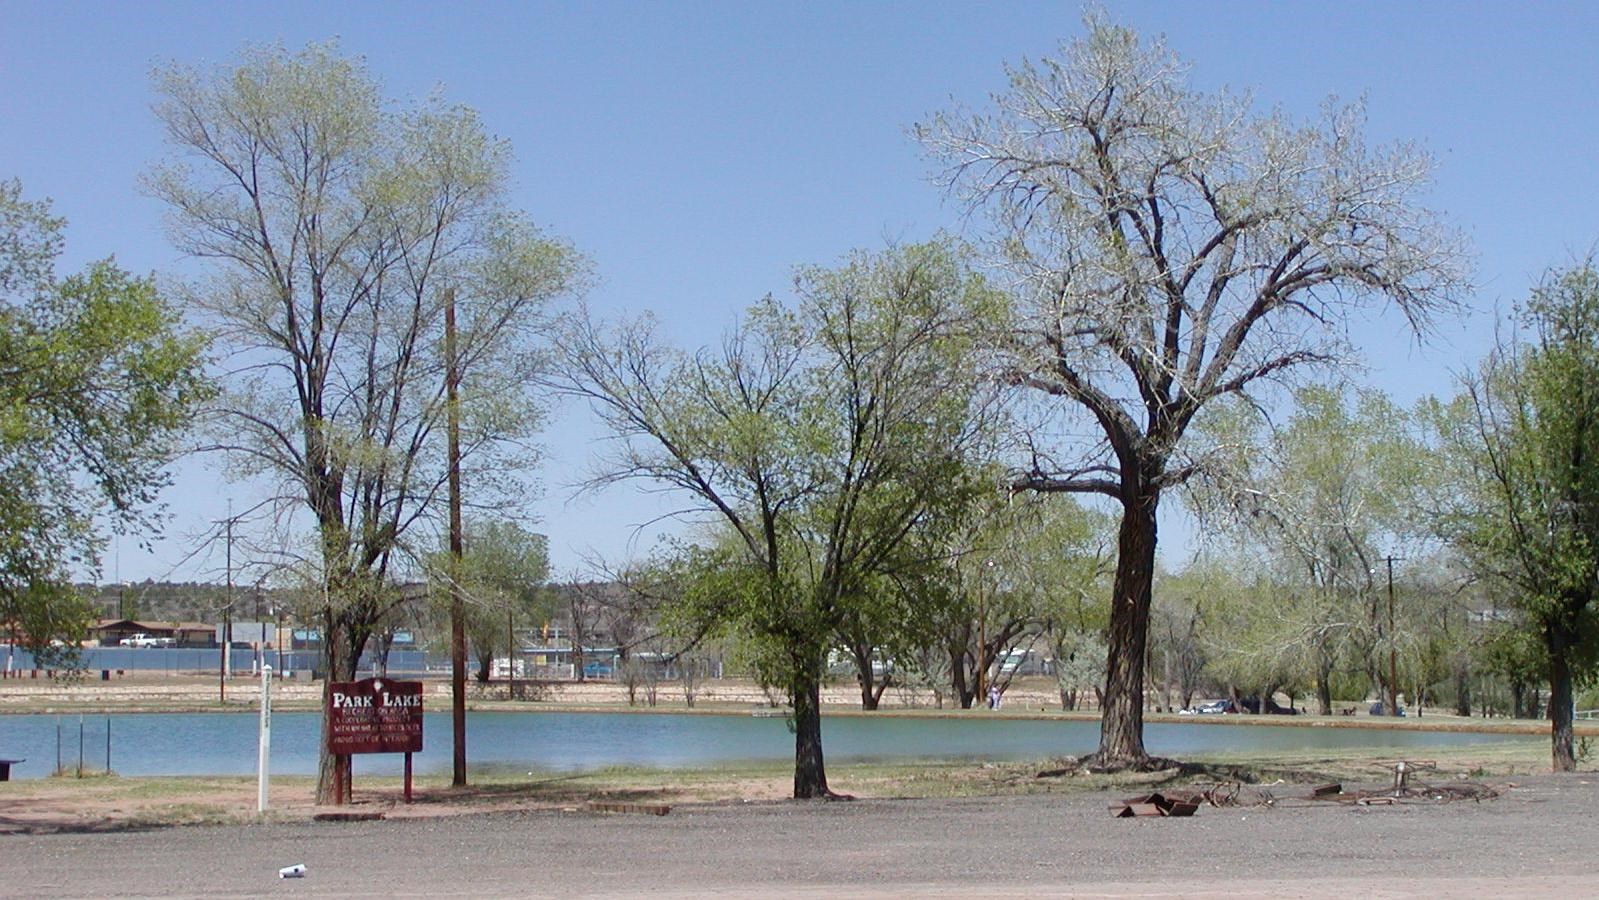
340,225
98,382
1527,439
1349,686
1524,507
502,574
819,438
1320,501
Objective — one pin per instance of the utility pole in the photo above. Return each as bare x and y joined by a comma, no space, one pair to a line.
457,606
982,647
1393,654
227,621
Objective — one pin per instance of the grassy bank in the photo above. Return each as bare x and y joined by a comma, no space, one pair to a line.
111,802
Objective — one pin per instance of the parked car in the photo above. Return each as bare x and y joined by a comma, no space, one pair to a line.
1215,707
144,640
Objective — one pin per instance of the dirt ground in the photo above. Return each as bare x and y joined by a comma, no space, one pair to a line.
1534,840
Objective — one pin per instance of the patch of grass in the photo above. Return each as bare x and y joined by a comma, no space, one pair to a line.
171,814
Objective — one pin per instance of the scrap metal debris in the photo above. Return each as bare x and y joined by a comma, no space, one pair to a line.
1153,805
1406,788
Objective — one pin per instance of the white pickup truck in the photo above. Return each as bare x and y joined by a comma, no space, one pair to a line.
144,640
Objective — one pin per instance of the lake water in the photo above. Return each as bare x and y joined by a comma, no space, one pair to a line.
224,743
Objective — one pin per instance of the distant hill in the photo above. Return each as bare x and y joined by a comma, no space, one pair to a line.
183,601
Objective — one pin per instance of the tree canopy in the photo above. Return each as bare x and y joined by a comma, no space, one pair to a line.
1523,442
818,438
97,381
338,225
1171,247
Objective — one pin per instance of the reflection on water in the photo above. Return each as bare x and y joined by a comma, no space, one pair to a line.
224,743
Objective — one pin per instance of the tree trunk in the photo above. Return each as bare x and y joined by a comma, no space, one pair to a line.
810,777
341,657
870,692
1323,682
385,644
1462,688
1168,689
964,694
1121,728
1561,710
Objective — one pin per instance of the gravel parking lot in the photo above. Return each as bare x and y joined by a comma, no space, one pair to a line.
1537,839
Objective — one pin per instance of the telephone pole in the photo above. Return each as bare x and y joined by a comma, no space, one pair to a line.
457,607
1393,654
227,610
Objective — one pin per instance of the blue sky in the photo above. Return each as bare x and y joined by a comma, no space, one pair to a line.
696,151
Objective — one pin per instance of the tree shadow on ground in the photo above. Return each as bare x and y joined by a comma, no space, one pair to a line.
563,789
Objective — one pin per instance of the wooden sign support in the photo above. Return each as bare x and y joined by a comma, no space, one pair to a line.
375,715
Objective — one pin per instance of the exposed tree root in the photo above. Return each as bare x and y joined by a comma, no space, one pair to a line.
828,795
1176,770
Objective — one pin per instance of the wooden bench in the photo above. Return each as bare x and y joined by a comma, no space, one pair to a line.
5,768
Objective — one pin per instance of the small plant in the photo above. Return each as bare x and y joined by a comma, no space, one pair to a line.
1584,750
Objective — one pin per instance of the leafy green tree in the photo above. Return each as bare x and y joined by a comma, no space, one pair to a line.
819,437
1022,572
97,381
1527,512
339,227
1179,607
1324,498
503,570
1171,248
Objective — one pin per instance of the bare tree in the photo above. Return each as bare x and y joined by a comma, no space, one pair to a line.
585,608
1168,248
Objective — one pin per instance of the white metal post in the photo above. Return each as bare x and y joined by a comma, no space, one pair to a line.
266,739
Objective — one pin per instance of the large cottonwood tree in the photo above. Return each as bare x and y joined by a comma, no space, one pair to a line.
1169,247
336,223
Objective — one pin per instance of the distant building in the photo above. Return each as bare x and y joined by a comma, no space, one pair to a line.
111,632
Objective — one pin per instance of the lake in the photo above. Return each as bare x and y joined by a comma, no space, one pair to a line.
224,743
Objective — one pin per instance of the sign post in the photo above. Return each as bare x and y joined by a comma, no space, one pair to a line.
376,715
265,743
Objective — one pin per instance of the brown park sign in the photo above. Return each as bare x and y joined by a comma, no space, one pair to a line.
375,715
